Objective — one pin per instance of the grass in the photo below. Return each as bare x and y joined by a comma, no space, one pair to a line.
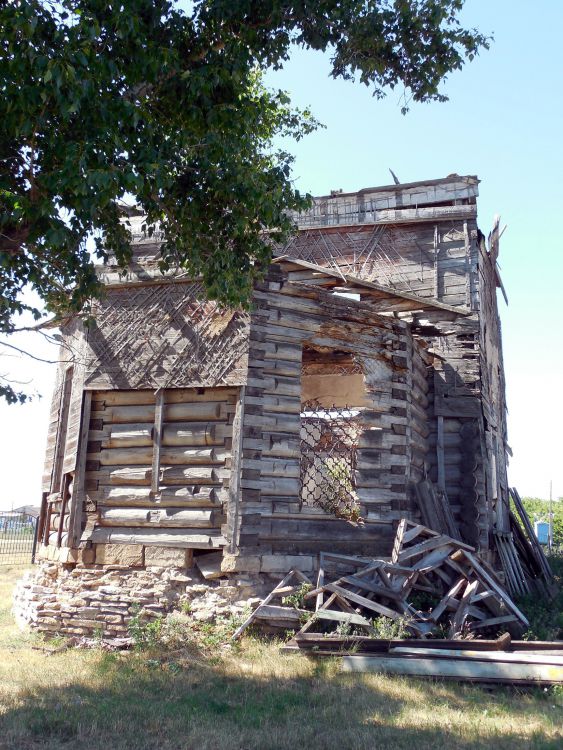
247,698
546,614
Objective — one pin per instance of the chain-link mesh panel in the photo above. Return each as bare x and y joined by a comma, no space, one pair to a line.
329,446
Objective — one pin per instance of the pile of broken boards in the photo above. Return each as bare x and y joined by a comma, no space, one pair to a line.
434,585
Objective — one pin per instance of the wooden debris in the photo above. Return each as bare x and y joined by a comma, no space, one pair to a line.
501,660
209,565
434,584
515,576
435,507
535,547
276,615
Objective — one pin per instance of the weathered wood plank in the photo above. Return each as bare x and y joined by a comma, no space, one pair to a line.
181,538
161,517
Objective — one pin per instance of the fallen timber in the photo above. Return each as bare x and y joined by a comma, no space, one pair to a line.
501,670
331,644
433,584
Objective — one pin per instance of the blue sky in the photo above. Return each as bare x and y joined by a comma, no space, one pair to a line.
504,123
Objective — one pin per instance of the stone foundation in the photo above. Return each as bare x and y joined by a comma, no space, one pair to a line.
99,599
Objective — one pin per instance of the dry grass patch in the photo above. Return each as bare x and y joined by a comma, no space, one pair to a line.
250,697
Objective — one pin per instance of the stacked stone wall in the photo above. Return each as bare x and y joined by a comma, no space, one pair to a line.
100,600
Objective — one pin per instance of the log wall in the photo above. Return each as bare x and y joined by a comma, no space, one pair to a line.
272,529
446,261
493,426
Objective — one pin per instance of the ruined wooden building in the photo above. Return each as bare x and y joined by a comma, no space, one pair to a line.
369,361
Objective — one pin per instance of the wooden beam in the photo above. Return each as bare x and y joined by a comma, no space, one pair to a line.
78,489
393,295
440,455
462,668
157,440
236,468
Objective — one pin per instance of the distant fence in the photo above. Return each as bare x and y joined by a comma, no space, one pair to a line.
18,538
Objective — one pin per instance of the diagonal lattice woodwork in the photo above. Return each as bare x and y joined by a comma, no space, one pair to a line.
372,253
166,335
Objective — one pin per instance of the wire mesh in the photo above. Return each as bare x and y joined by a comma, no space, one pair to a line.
329,447
17,538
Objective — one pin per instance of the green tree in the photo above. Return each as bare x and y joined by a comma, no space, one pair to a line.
146,101
538,510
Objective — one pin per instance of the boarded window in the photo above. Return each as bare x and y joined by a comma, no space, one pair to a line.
165,470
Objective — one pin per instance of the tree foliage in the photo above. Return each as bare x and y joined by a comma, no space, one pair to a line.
538,510
143,100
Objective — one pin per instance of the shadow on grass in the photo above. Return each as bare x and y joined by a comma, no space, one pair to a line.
136,702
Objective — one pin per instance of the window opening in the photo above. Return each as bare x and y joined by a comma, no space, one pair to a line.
330,431
329,454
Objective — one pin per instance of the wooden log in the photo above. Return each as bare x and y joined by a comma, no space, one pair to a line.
222,395
124,475
103,399
195,433
171,476
185,434
106,399
457,406
128,435
274,467
193,538
273,485
182,412
161,517
144,497
169,456
278,404
128,476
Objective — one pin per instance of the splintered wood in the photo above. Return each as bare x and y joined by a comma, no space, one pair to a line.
434,585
